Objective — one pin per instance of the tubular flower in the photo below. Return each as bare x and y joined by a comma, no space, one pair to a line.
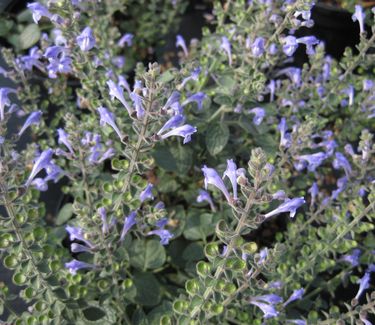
63,139
75,265
198,98
129,222
173,122
213,178
107,117
231,173
76,233
226,47
4,100
86,40
205,196
147,193
297,294
126,39
364,284
164,235
259,114
184,131
115,91
180,42
41,162
359,16
34,118
290,205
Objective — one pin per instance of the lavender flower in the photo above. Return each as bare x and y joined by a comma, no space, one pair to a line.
257,48
341,162
231,173
259,113
297,294
212,177
359,16
54,52
279,195
53,172
285,139
32,60
86,40
75,265
129,222
115,91
290,45
62,65
184,131
312,161
34,118
76,233
38,11
226,47
197,97
367,85
78,248
4,100
314,191
109,153
40,184
193,76
205,196
137,101
107,117
173,122
352,258
147,193
173,98
63,139
40,163
309,41
103,216
126,39
364,284
164,235
180,42
341,185
290,205
269,311
272,298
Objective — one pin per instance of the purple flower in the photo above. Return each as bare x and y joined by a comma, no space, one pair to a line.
164,235
279,195
78,248
76,233
364,284
213,178
4,100
352,258
129,222
197,97
62,65
53,172
297,294
272,299
313,190
107,117
159,206
350,92
180,42
54,52
226,47
75,265
137,101
290,45
341,185
231,173
162,222
40,163
32,60
193,76
33,118
297,321
367,85
259,113
269,311
40,184
126,39
63,139
285,139
205,196
147,193
115,91
272,88
290,205
257,48
103,216
359,16
341,162
312,161
86,40
184,131
38,11
173,122
309,41
109,153
263,254
173,98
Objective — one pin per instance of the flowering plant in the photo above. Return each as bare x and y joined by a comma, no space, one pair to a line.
160,221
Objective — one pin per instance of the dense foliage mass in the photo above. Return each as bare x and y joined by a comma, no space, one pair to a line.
234,188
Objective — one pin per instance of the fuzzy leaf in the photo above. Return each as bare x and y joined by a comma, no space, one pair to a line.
217,137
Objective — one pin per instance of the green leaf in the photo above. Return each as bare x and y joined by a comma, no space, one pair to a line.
199,225
5,26
217,137
164,158
65,214
29,36
93,313
148,289
147,254
183,156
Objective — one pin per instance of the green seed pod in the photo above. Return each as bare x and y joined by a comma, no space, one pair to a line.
220,285
229,288
128,283
203,269
180,306
192,286
211,250
165,320
107,188
103,284
217,309
19,278
10,261
29,293
54,266
250,248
